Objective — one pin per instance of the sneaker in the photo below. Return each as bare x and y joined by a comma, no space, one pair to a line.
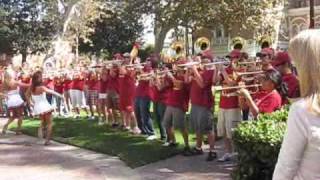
100,123
211,156
91,118
114,125
225,157
197,151
170,144
187,151
152,137
136,130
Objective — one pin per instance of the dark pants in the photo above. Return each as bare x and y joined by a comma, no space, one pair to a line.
245,114
142,111
158,110
49,98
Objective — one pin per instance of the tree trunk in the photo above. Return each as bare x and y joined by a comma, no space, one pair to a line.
160,36
186,36
24,56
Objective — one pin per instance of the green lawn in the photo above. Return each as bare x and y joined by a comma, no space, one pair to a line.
134,150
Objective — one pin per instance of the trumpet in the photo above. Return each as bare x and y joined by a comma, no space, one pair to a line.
138,66
248,62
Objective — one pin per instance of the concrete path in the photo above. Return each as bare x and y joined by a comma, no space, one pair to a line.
25,157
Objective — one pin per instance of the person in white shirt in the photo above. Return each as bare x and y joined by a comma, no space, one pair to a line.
299,157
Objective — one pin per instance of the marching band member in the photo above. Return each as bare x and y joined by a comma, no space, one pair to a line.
41,106
92,87
269,99
76,93
266,55
58,87
229,114
103,96
49,83
67,84
15,103
113,95
177,105
202,100
126,102
283,64
142,105
158,97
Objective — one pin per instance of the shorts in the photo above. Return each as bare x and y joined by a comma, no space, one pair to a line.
102,96
77,98
126,104
174,117
228,119
15,112
201,119
92,97
112,100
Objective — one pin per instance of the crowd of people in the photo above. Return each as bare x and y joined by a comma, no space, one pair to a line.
120,93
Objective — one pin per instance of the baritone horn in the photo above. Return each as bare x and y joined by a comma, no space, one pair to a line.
202,44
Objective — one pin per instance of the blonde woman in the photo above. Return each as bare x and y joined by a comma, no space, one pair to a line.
15,103
300,151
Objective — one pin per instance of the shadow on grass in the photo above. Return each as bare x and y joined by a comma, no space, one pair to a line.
134,150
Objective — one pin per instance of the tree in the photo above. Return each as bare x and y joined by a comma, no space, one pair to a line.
25,26
115,31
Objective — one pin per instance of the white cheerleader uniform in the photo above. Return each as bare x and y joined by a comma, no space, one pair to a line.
41,104
14,99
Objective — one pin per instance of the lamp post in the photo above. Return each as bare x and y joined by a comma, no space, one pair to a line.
311,14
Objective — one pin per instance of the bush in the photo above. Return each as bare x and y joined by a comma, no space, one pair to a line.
258,144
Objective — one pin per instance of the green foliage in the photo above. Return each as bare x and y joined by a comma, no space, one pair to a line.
25,26
258,144
115,31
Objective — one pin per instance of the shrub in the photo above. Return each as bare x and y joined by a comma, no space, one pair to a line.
258,144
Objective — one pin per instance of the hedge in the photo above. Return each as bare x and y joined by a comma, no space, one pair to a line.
258,144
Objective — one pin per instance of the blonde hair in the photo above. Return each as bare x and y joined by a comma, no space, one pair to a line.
304,49
8,76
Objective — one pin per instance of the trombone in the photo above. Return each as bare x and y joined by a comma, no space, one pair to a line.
224,89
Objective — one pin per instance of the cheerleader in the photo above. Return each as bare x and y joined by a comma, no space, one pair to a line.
15,103
41,106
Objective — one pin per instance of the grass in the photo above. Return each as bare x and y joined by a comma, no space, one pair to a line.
134,150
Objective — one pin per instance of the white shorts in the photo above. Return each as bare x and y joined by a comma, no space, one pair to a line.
77,98
102,96
228,119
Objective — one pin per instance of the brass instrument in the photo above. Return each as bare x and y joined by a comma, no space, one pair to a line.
223,89
238,43
265,41
249,73
202,44
137,66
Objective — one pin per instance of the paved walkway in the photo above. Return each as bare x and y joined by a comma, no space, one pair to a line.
25,157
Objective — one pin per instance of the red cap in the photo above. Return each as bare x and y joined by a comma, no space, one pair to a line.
281,58
118,56
207,54
266,51
236,53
